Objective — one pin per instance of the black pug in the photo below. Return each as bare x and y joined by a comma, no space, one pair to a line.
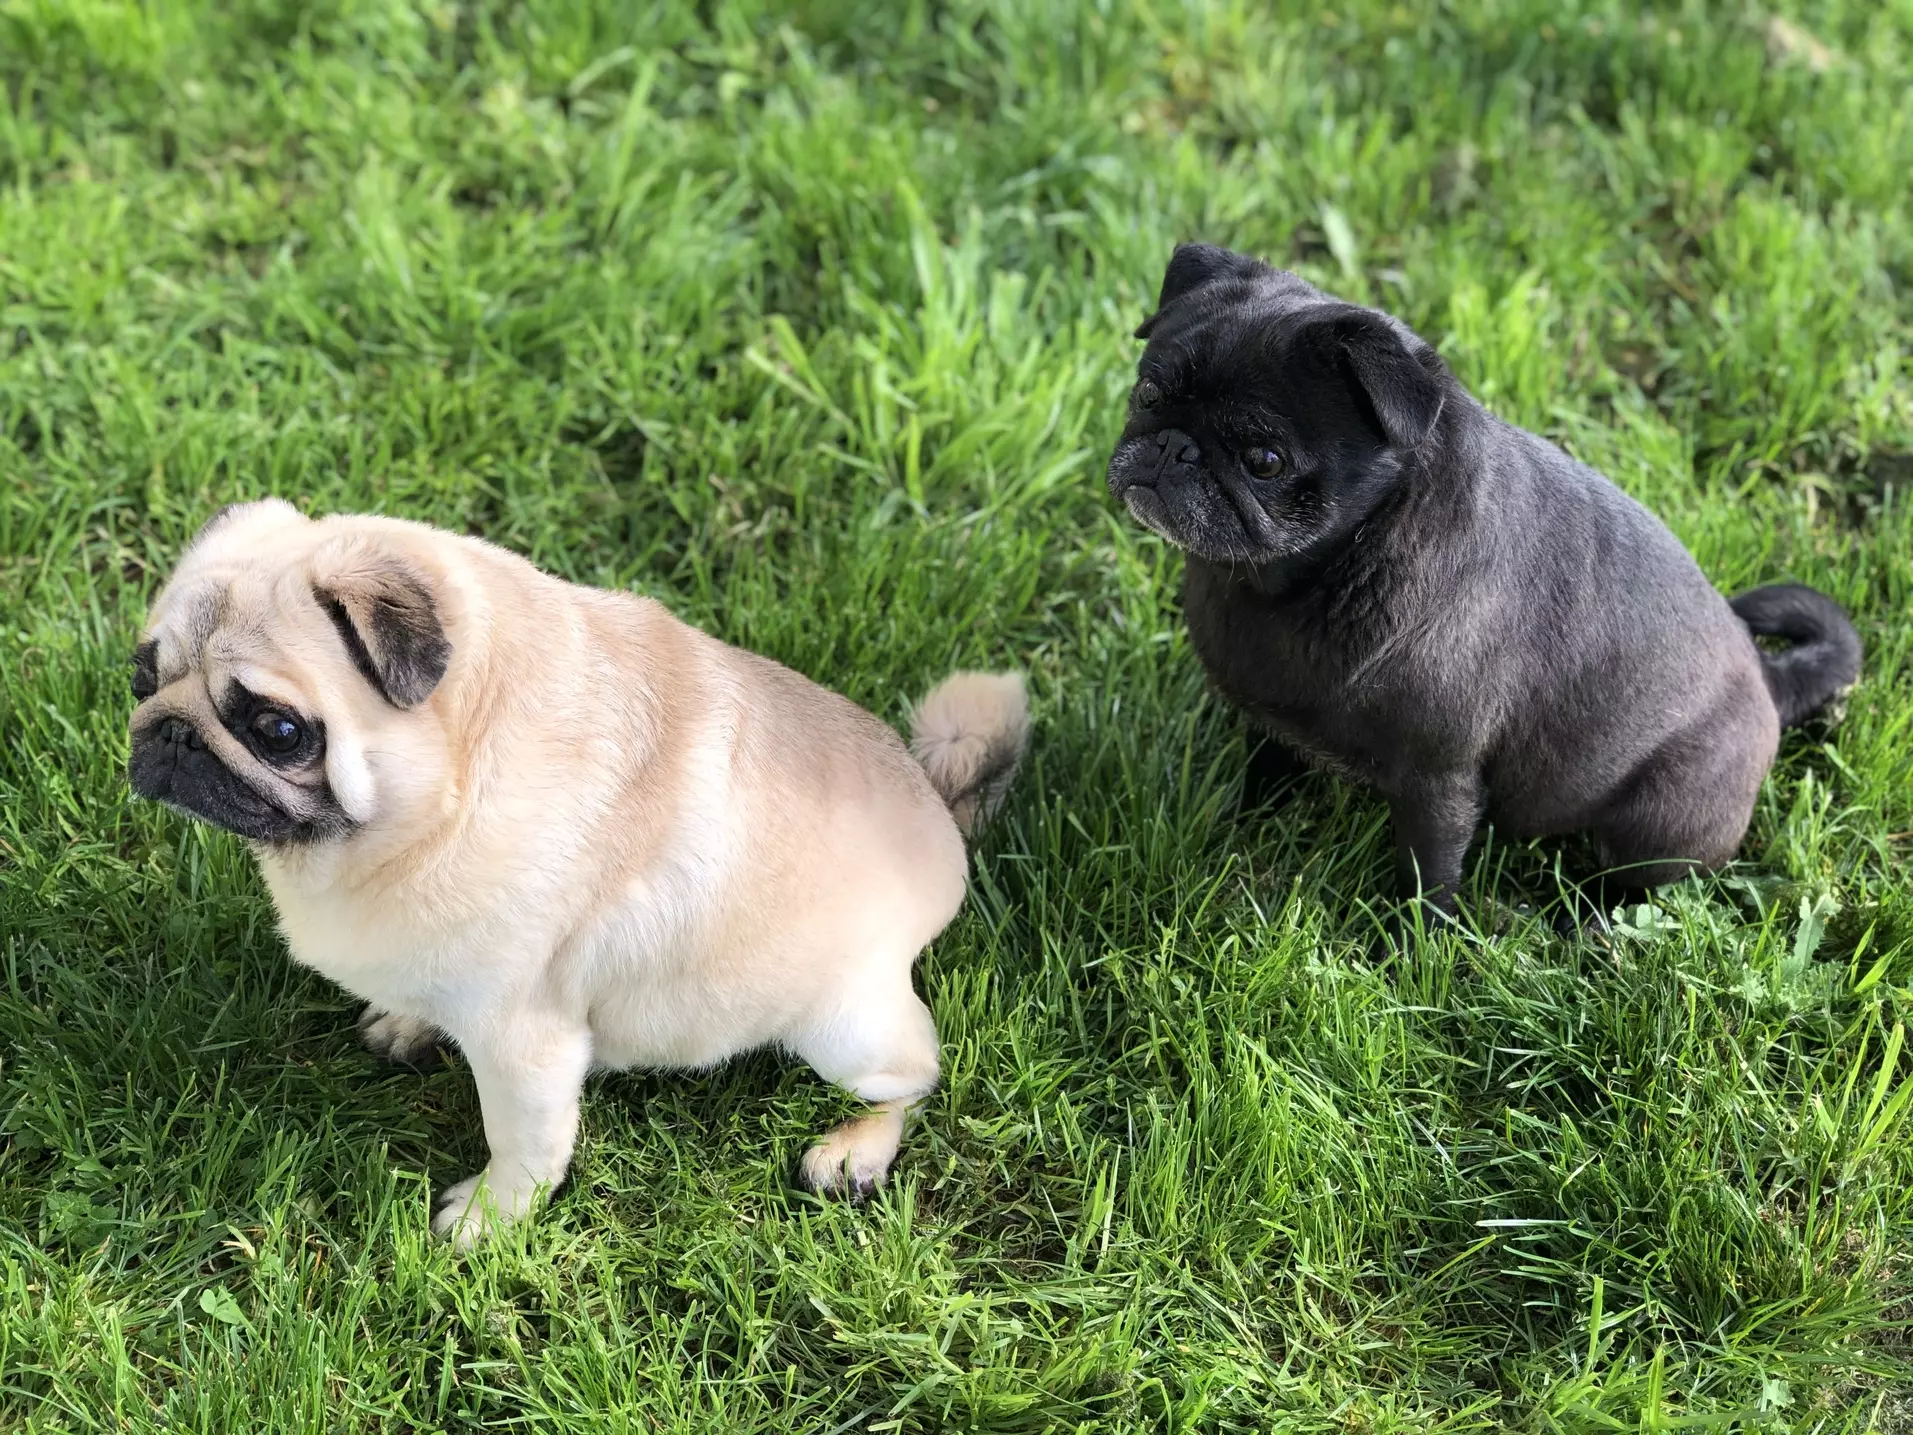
1394,583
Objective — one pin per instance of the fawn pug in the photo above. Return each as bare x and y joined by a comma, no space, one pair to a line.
562,827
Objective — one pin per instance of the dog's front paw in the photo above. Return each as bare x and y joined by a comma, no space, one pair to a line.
402,1039
1578,920
475,1207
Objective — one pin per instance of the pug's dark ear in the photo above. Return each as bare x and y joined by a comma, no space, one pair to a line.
1190,268
1400,384
388,621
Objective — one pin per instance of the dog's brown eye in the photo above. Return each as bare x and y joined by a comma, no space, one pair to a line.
1147,394
277,733
1263,462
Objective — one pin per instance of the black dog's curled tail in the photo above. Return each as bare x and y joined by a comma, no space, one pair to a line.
1823,662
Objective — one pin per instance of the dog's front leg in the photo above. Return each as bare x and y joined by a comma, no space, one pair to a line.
530,1066
1434,817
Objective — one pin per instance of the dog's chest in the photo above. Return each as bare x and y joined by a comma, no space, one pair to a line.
391,954
1284,679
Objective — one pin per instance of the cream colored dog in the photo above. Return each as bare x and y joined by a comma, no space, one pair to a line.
562,827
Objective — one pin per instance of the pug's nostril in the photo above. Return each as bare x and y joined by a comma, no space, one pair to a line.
1175,446
177,732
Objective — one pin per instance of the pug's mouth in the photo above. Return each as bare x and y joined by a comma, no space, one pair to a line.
1145,505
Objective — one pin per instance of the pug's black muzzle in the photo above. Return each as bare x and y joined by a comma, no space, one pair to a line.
1147,461
171,763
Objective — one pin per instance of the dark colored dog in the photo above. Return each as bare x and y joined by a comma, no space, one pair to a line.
1394,583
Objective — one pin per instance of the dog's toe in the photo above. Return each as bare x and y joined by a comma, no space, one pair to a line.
461,1219
402,1039
1582,915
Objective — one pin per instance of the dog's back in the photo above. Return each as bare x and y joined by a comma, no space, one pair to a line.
1613,643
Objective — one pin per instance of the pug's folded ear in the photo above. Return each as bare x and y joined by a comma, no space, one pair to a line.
1399,382
388,620
1193,266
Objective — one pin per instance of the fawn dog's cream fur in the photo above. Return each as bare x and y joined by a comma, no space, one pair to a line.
563,828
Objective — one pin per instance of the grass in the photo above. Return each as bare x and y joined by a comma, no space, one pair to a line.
813,322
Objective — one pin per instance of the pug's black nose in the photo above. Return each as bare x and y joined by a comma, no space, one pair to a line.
177,732
1175,446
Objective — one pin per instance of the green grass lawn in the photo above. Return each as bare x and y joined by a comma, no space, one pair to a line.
813,321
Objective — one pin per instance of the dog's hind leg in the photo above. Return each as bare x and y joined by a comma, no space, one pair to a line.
1682,814
881,1045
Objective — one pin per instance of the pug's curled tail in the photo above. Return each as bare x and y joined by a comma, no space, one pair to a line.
1823,662
970,734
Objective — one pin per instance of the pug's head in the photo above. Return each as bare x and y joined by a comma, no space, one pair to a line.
1268,418
285,677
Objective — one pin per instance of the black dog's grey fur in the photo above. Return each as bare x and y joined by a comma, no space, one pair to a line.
1442,605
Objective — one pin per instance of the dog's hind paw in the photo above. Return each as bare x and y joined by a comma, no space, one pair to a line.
402,1039
855,1159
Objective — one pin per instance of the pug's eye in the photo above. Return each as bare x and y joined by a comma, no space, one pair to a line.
1147,394
277,733
1262,462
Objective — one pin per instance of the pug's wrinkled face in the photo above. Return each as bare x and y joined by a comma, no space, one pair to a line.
280,679
1268,419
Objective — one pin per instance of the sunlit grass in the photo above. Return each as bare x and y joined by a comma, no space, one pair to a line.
814,323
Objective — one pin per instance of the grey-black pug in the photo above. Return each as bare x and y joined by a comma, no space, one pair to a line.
1397,585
